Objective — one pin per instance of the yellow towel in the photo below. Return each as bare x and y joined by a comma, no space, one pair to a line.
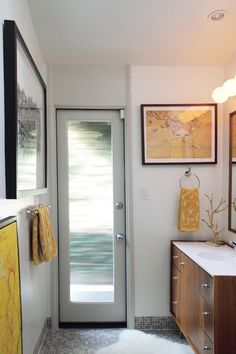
43,240
189,213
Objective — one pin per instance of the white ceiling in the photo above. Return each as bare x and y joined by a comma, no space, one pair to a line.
139,32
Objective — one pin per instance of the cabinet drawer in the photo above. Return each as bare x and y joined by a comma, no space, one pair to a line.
206,318
206,287
206,345
175,280
176,257
175,286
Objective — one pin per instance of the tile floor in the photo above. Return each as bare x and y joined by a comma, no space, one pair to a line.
87,341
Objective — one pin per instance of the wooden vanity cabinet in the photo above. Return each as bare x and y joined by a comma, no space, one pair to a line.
204,307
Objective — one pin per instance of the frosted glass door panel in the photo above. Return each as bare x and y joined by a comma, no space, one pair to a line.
90,211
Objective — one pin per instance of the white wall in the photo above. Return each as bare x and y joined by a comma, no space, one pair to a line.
155,219
35,281
229,106
88,86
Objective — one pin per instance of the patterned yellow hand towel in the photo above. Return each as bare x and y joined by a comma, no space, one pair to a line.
189,213
43,240
37,257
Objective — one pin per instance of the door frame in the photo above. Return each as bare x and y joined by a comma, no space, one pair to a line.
117,316
53,188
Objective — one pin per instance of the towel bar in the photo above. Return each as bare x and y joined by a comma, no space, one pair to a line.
30,212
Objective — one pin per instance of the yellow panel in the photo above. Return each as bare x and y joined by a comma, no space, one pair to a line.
10,304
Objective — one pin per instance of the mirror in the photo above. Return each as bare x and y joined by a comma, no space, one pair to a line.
232,172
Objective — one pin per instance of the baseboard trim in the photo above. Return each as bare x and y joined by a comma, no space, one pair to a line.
155,323
47,325
92,325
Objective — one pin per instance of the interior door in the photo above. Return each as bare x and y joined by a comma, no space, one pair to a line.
90,145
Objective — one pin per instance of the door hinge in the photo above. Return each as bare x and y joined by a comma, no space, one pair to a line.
122,114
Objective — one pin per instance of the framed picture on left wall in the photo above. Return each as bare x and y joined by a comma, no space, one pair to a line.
25,118
10,304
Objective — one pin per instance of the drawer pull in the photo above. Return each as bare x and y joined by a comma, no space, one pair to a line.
205,313
205,347
174,278
182,263
174,302
175,257
205,285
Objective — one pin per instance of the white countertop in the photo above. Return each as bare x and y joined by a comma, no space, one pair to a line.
214,260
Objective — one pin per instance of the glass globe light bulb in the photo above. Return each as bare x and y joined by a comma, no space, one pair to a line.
230,87
219,95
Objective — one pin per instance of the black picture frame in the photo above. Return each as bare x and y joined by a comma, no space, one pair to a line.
232,170
25,118
177,134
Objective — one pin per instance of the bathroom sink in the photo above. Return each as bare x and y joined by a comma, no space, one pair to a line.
211,256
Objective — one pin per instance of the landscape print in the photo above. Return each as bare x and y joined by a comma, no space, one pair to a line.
179,134
29,140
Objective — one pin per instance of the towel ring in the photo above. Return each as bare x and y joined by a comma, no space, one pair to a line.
189,174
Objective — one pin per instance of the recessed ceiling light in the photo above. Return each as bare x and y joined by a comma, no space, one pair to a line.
216,15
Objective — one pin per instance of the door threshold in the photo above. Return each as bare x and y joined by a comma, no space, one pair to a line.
92,324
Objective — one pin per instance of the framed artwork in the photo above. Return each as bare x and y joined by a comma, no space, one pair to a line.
25,118
232,173
232,135
10,304
179,134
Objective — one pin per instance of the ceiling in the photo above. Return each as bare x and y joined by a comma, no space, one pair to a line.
138,32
